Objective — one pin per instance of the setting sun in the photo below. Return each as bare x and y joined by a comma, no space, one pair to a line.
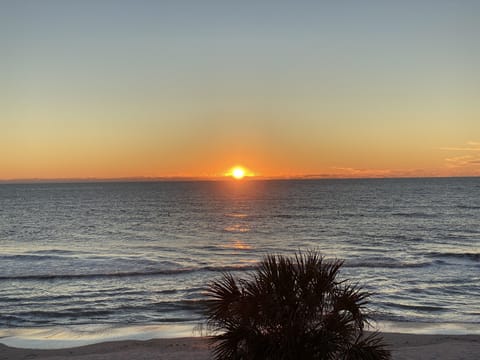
238,173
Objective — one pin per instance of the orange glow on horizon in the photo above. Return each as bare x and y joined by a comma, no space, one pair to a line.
136,163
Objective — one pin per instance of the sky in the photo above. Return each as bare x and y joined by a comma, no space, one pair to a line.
122,89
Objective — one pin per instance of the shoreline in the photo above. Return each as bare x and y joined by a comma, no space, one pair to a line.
403,346
70,336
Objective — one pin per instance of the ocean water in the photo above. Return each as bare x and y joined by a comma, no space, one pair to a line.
137,254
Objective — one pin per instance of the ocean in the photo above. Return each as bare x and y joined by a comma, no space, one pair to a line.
142,253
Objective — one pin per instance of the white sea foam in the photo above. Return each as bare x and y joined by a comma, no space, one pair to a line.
59,337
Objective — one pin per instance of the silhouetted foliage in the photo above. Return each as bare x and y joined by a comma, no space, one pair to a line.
291,308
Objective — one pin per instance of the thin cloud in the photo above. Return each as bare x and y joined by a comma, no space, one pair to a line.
471,146
465,161
461,148
407,172
349,172
356,172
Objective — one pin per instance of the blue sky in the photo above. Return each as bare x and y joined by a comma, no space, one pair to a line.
166,88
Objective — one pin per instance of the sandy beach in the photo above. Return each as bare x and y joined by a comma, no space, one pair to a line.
403,346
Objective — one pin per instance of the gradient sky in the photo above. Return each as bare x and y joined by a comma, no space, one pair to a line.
109,89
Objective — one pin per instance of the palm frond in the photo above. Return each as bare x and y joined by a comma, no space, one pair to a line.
368,348
291,308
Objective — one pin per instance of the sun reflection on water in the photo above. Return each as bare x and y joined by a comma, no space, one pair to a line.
237,215
237,228
237,245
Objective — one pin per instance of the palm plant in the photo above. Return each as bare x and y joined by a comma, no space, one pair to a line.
291,308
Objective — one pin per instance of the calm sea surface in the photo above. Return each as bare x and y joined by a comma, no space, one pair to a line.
141,253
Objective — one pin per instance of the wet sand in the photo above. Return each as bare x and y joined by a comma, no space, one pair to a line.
403,346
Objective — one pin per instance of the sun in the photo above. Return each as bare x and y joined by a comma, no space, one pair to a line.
238,172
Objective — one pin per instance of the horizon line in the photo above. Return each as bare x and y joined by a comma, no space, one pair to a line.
218,178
